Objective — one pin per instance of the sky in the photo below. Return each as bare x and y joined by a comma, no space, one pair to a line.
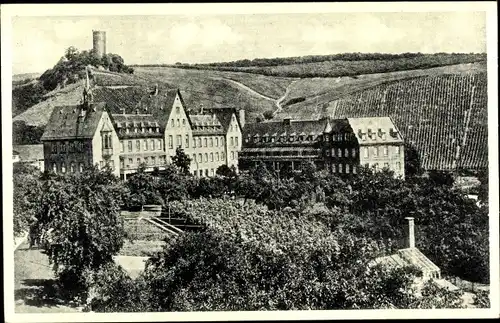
39,42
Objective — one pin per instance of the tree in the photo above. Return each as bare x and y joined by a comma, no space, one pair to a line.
268,115
182,160
78,221
71,53
413,165
483,189
225,171
143,188
440,178
26,195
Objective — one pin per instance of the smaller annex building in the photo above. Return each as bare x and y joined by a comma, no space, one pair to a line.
339,145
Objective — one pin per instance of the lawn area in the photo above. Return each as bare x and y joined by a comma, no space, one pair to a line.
34,288
141,248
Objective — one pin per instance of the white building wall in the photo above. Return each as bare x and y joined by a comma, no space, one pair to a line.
97,156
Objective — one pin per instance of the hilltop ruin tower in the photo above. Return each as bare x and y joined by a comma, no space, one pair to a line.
99,38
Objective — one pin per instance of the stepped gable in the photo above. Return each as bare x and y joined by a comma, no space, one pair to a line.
66,123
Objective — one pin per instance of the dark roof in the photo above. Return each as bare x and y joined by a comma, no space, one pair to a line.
29,152
139,121
206,124
119,98
279,127
65,123
224,115
129,99
160,105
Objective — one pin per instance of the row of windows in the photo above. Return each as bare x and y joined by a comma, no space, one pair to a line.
61,167
264,139
203,172
344,168
373,135
213,157
290,153
107,142
173,123
147,144
340,136
197,142
140,130
147,160
65,146
386,165
376,151
338,152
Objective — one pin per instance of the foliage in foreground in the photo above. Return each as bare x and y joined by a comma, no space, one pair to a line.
79,226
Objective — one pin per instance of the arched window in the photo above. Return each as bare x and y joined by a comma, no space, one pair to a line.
72,167
200,159
211,157
63,167
217,156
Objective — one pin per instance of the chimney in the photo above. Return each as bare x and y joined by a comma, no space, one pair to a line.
201,109
241,115
287,121
156,90
123,110
411,232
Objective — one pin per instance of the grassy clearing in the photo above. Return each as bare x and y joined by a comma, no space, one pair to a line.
34,287
141,248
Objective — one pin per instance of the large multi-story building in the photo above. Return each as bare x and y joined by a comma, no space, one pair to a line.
339,145
126,128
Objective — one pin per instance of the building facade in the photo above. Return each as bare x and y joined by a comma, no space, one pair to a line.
127,128
339,145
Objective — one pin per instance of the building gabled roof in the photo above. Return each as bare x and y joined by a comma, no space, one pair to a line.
29,152
132,121
374,125
408,257
130,100
66,123
205,124
279,127
225,115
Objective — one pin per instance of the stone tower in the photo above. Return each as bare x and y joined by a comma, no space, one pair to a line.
99,40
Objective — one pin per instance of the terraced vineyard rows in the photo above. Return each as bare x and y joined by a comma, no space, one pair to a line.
431,112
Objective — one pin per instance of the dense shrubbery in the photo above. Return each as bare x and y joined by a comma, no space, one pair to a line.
71,67
272,240
77,222
453,230
25,96
23,134
26,193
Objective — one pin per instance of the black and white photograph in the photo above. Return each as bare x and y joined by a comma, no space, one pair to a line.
250,161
